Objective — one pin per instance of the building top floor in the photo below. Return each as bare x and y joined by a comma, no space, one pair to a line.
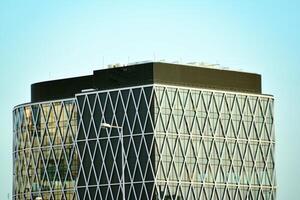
149,73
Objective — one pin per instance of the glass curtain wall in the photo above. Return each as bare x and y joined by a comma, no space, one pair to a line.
213,145
176,142
45,158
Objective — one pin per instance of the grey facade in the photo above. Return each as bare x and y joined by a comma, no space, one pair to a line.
173,142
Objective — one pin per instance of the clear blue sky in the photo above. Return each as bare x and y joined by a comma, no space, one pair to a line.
41,40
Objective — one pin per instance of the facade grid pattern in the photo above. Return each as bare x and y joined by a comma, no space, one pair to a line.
178,142
45,158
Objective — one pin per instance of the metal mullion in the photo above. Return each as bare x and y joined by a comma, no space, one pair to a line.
73,111
139,151
209,164
210,102
102,165
136,163
254,168
104,107
171,155
126,153
136,105
184,158
207,155
56,161
92,114
206,111
119,192
149,161
104,156
265,120
246,103
145,189
147,110
97,99
261,113
228,124
119,96
241,111
112,108
149,114
92,160
174,156
266,170
220,113
65,104
243,123
62,105
218,120
219,165
242,162
46,171
231,120
45,164
33,131
92,163
80,123
235,149
114,160
55,122
244,166
69,162
170,106
253,112
188,97
81,168
160,161
222,158
156,105
215,106
182,108
125,112
91,118
249,149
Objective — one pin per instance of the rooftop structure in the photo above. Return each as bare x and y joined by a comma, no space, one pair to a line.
149,73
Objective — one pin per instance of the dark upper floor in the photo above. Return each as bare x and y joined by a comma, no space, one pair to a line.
148,73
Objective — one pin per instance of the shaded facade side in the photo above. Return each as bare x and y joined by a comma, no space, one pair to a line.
100,149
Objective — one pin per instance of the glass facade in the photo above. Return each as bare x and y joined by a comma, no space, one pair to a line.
101,149
214,145
44,154
175,142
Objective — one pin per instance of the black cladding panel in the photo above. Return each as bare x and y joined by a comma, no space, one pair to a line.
123,76
209,78
148,73
59,89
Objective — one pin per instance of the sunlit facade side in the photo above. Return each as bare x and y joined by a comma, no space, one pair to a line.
214,144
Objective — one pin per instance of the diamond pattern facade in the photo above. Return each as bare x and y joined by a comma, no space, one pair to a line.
45,157
166,143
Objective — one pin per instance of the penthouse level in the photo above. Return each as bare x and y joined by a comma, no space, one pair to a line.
149,73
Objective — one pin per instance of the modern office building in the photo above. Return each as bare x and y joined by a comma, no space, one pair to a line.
146,131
